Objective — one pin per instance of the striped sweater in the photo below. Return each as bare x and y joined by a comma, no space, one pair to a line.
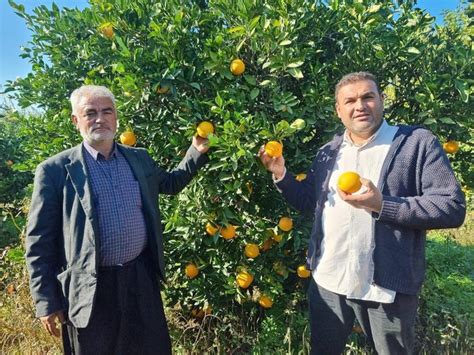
420,192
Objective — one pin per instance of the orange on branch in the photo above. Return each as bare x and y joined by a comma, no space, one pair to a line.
107,29
228,232
128,138
191,270
237,67
252,251
451,147
210,229
265,301
244,279
303,272
285,224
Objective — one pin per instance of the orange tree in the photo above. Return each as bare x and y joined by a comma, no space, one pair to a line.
259,71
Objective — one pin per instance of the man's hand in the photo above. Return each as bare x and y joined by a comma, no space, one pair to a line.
200,144
49,322
370,200
274,165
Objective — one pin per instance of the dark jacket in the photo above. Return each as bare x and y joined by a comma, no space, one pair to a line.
62,239
419,191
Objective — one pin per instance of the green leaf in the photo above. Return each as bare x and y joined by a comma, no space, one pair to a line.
254,93
447,120
462,88
413,50
118,67
254,22
285,42
295,64
123,47
296,73
250,79
196,86
237,29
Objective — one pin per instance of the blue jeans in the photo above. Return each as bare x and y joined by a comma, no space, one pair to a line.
389,327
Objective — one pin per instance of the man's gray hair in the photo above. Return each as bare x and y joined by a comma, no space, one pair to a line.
93,91
354,77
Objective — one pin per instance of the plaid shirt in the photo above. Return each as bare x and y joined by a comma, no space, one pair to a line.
118,203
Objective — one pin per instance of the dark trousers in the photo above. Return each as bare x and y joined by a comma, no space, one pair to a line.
127,316
389,327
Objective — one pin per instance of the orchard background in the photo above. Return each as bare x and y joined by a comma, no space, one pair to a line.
168,64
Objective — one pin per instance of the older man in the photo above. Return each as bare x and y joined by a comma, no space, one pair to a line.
367,249
94,246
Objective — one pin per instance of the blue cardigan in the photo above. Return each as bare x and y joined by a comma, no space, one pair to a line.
420,192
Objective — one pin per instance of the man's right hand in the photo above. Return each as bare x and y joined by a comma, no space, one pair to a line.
49,322
274,165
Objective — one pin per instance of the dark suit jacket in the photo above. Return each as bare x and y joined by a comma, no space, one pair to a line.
62,235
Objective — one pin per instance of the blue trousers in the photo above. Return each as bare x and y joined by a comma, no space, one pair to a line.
127,317
389,327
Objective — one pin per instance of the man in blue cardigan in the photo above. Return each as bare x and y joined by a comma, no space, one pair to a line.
367,249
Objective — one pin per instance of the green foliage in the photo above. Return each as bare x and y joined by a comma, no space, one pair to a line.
295,52
446,309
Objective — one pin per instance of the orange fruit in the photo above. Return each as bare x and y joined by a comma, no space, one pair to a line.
237,67
228,232
451,147
128,138
300,177
162,89
267,244
107,29
197,313
204,129
303,272
244,279
274,149
252,251
249,187
210,229
265,301
285,224
357,329
277,237
349,182
191,270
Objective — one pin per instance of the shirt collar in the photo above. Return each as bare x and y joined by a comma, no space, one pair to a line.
95,153
378,134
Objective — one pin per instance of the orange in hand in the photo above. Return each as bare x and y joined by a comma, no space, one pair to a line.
204,129
274,149
349,182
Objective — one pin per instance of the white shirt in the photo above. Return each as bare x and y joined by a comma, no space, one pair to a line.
345,265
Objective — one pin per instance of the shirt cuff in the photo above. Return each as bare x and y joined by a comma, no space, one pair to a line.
275,180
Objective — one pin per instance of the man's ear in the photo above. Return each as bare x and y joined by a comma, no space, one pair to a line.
74,120
336,106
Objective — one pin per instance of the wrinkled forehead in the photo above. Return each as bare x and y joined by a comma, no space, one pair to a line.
95,102
357,88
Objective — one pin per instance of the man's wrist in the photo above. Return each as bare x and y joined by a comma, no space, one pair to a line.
277,177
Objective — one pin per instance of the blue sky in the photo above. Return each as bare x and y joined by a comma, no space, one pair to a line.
14,34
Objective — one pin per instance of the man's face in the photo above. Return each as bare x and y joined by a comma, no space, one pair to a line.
360,108
96,119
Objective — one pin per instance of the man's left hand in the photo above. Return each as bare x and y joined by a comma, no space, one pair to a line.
370,200
200,144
